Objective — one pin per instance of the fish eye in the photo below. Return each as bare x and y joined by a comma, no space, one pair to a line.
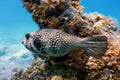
27,35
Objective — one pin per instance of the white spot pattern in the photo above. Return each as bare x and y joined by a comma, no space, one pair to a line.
56,42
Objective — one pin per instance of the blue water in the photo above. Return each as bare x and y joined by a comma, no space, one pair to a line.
12,53
106,7
15,22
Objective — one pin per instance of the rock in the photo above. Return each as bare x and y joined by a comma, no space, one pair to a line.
43,70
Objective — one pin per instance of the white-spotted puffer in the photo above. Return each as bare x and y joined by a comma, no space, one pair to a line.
57,43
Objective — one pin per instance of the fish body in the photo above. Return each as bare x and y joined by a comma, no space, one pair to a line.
57,43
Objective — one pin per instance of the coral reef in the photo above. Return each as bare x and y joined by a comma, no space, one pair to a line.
43,70
68,15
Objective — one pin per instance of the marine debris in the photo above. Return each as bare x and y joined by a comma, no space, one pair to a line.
68,15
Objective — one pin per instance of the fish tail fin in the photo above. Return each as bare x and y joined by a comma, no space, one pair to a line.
95,46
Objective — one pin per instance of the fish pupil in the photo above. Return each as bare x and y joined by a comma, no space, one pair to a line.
27,35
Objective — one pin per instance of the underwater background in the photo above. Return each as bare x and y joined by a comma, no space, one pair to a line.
15,22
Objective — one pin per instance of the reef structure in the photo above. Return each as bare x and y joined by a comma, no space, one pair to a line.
68,15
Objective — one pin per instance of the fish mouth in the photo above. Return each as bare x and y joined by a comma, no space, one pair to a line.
23,41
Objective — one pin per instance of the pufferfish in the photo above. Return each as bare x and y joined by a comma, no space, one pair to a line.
57,43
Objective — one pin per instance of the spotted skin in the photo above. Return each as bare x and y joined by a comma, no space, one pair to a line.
57,43
49,42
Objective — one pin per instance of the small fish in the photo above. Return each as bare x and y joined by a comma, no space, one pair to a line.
57,43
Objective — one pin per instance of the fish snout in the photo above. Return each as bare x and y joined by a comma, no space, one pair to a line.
23,41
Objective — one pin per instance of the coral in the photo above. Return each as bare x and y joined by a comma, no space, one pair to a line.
43,70
68,15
